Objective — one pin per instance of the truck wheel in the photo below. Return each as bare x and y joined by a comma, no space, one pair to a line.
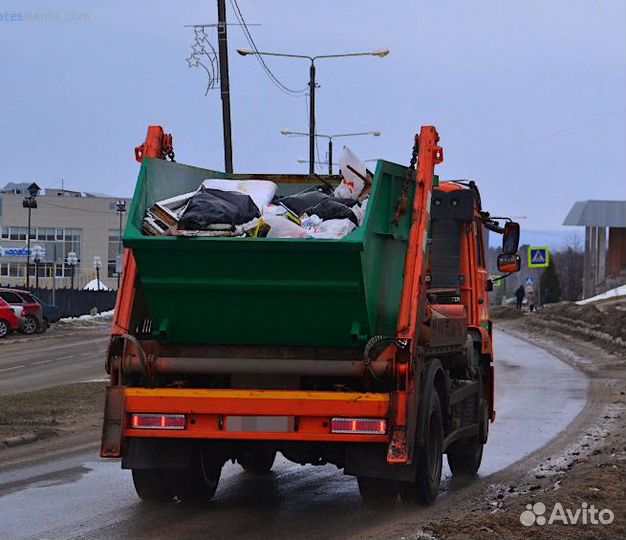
378,492
464,458
257,462
465,461
198,484
30,325
153,485
429,458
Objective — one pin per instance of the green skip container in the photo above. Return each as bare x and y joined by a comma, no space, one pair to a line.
269,291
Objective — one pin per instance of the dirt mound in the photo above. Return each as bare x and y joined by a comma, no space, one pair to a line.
505,312
601,321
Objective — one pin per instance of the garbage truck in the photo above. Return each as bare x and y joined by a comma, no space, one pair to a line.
373,352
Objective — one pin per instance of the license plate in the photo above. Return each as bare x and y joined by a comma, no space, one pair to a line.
256,424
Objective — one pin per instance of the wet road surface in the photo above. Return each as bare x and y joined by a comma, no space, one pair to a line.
36,363
82,496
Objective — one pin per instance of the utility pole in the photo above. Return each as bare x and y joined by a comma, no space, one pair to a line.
222,42
312,118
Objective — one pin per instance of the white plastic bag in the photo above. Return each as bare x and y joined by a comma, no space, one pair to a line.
261,191
333,229
351,184
281,227
359,211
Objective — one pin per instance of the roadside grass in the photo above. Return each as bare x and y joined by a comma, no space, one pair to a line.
52,411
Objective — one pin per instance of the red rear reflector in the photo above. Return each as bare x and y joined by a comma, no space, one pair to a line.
158,421
360,426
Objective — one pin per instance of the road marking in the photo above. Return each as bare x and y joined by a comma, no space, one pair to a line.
14,367
66,357
41,362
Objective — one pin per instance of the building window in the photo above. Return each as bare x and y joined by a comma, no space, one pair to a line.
114,251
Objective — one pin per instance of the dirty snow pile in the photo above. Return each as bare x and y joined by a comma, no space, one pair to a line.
613,293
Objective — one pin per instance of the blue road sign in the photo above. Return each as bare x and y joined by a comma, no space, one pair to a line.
538,257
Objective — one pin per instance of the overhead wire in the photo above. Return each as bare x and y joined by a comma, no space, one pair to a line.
248,35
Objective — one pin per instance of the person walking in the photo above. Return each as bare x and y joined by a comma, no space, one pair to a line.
519,296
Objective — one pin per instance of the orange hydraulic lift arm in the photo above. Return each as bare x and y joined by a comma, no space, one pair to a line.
158,144
412,304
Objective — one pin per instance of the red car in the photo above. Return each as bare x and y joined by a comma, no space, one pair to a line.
9,318
32,318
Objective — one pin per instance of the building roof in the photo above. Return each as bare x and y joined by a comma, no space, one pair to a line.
597,214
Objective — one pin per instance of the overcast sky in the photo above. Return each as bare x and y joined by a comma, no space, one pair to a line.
528,96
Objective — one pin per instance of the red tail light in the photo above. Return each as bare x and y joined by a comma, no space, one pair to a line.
359,426
157,421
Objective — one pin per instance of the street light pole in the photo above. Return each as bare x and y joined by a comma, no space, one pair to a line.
312,117
72,261
97,264
120,206
38,253
330,143
380,53
222,41
29,202
330,155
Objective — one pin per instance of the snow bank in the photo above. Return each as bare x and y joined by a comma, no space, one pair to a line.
613,293
93,286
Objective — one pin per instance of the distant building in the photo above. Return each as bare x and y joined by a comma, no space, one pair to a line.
64,221
605,262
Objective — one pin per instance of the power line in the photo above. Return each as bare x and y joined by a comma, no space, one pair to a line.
248,35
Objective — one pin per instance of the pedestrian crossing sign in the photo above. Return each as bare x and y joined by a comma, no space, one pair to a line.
538,257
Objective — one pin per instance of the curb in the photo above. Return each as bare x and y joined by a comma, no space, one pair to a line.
19,440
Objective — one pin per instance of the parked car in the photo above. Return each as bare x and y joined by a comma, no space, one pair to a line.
32,318
10,318
49,312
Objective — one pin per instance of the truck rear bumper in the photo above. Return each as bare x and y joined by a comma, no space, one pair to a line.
230,414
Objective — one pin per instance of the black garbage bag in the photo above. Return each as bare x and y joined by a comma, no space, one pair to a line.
331,209
213,206
299,202
348,202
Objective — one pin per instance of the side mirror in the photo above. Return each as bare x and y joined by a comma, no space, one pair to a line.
509,264
510,238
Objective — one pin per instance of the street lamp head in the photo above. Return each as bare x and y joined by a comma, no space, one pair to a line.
38,253
120,206
376,133
97,262
72,258
381,53
285,132
245,52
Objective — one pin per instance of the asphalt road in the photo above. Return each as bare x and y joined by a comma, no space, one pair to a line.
33,363
83,496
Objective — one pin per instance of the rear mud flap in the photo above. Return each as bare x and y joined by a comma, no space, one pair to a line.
111,445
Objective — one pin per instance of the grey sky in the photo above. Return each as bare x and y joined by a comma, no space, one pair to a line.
528,96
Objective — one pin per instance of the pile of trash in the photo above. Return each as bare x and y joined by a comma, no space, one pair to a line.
251,208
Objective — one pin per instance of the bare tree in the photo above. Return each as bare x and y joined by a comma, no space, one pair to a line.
569,267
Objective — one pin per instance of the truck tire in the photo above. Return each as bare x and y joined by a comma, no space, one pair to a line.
378,493
464,458
257,462
153,485
465,461
198,484
429,458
